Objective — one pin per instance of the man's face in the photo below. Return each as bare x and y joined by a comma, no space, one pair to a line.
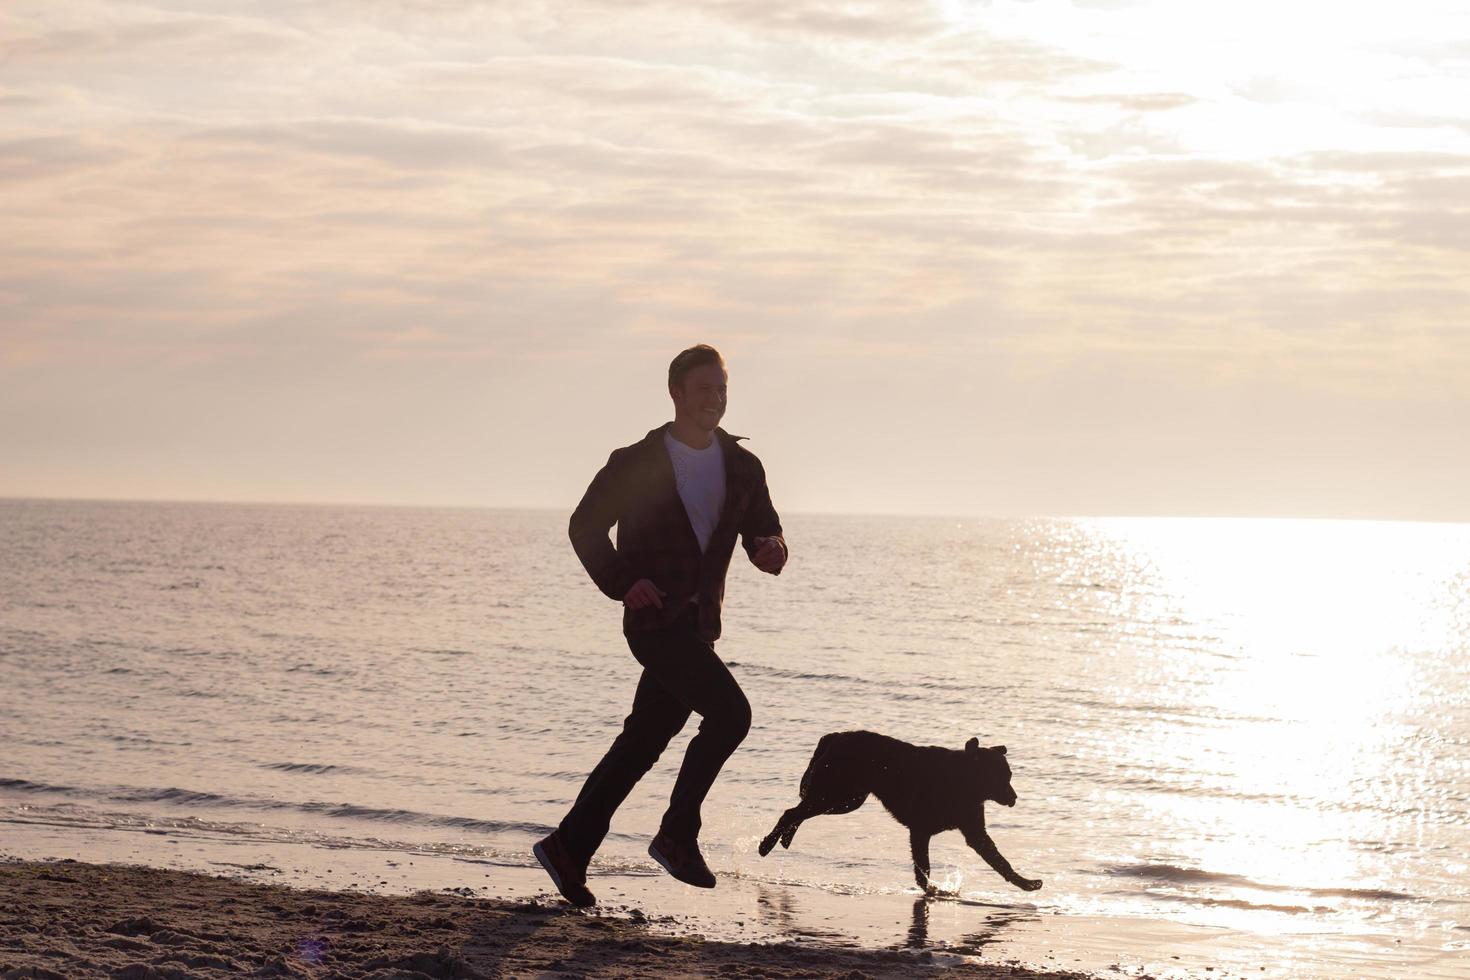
701,398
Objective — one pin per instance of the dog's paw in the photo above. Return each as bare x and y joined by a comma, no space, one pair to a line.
765,846
1027,884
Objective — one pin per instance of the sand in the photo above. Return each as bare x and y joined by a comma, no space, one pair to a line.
69,919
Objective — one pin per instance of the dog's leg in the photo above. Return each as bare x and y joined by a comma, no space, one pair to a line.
812,806
785,828
804,810
978,839
816,808
919,844
769,841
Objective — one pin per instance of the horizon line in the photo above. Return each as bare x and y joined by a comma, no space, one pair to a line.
932,515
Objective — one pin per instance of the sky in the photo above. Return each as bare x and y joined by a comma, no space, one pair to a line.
963,258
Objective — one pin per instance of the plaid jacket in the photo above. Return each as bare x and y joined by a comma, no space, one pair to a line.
636,491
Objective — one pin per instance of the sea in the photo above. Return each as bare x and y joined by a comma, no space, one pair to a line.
1241,747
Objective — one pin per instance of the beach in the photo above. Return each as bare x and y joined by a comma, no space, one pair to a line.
70,919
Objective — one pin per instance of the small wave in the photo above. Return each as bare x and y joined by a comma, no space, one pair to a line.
513,855
311,767
1242,904
1198,876
27,786
1366,894
168,794
130,738
578,774
392,815
926,697
905,689
74,816
175,796
1170,872
796,675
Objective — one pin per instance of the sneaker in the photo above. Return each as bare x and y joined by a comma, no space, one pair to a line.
566,873
683,861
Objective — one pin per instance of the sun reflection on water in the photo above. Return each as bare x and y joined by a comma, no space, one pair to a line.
1297,694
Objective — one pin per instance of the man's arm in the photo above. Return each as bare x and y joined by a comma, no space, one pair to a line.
599,510
760,531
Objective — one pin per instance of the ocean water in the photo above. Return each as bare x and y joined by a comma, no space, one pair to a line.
1248,738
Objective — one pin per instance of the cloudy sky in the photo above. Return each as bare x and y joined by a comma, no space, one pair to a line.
1056,257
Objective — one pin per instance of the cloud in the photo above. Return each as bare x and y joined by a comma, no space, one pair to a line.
584,78
23,100
401,144
1136,101
423,188
1415,120
194,38
48,157
1381,162
1439,52
924,150
866,20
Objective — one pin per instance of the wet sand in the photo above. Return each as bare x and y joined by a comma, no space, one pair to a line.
69,919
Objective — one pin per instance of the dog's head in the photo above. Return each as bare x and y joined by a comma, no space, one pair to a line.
994,772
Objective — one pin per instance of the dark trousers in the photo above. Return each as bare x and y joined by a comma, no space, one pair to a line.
681,673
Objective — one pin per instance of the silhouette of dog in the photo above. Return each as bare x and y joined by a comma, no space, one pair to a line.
928,789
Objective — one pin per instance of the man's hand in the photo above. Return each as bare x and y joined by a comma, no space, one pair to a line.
643,594
770,555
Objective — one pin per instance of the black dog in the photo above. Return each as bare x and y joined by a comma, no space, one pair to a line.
927,789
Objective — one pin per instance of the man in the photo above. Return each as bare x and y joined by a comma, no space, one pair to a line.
680,496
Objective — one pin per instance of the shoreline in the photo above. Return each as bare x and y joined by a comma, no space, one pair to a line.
742,919
733,928
742,912
64,919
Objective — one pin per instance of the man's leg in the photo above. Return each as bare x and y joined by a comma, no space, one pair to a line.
656,717
691,673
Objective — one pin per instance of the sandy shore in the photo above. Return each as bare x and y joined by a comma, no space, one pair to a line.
69,919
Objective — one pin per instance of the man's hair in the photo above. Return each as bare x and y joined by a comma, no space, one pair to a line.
687,360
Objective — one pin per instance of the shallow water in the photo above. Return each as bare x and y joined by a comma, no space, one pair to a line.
1259,729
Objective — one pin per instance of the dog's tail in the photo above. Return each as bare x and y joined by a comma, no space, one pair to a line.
817,754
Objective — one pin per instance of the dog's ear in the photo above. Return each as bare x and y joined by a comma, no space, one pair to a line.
973,745
998,748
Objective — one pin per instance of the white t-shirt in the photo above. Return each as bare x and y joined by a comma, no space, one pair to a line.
700,476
